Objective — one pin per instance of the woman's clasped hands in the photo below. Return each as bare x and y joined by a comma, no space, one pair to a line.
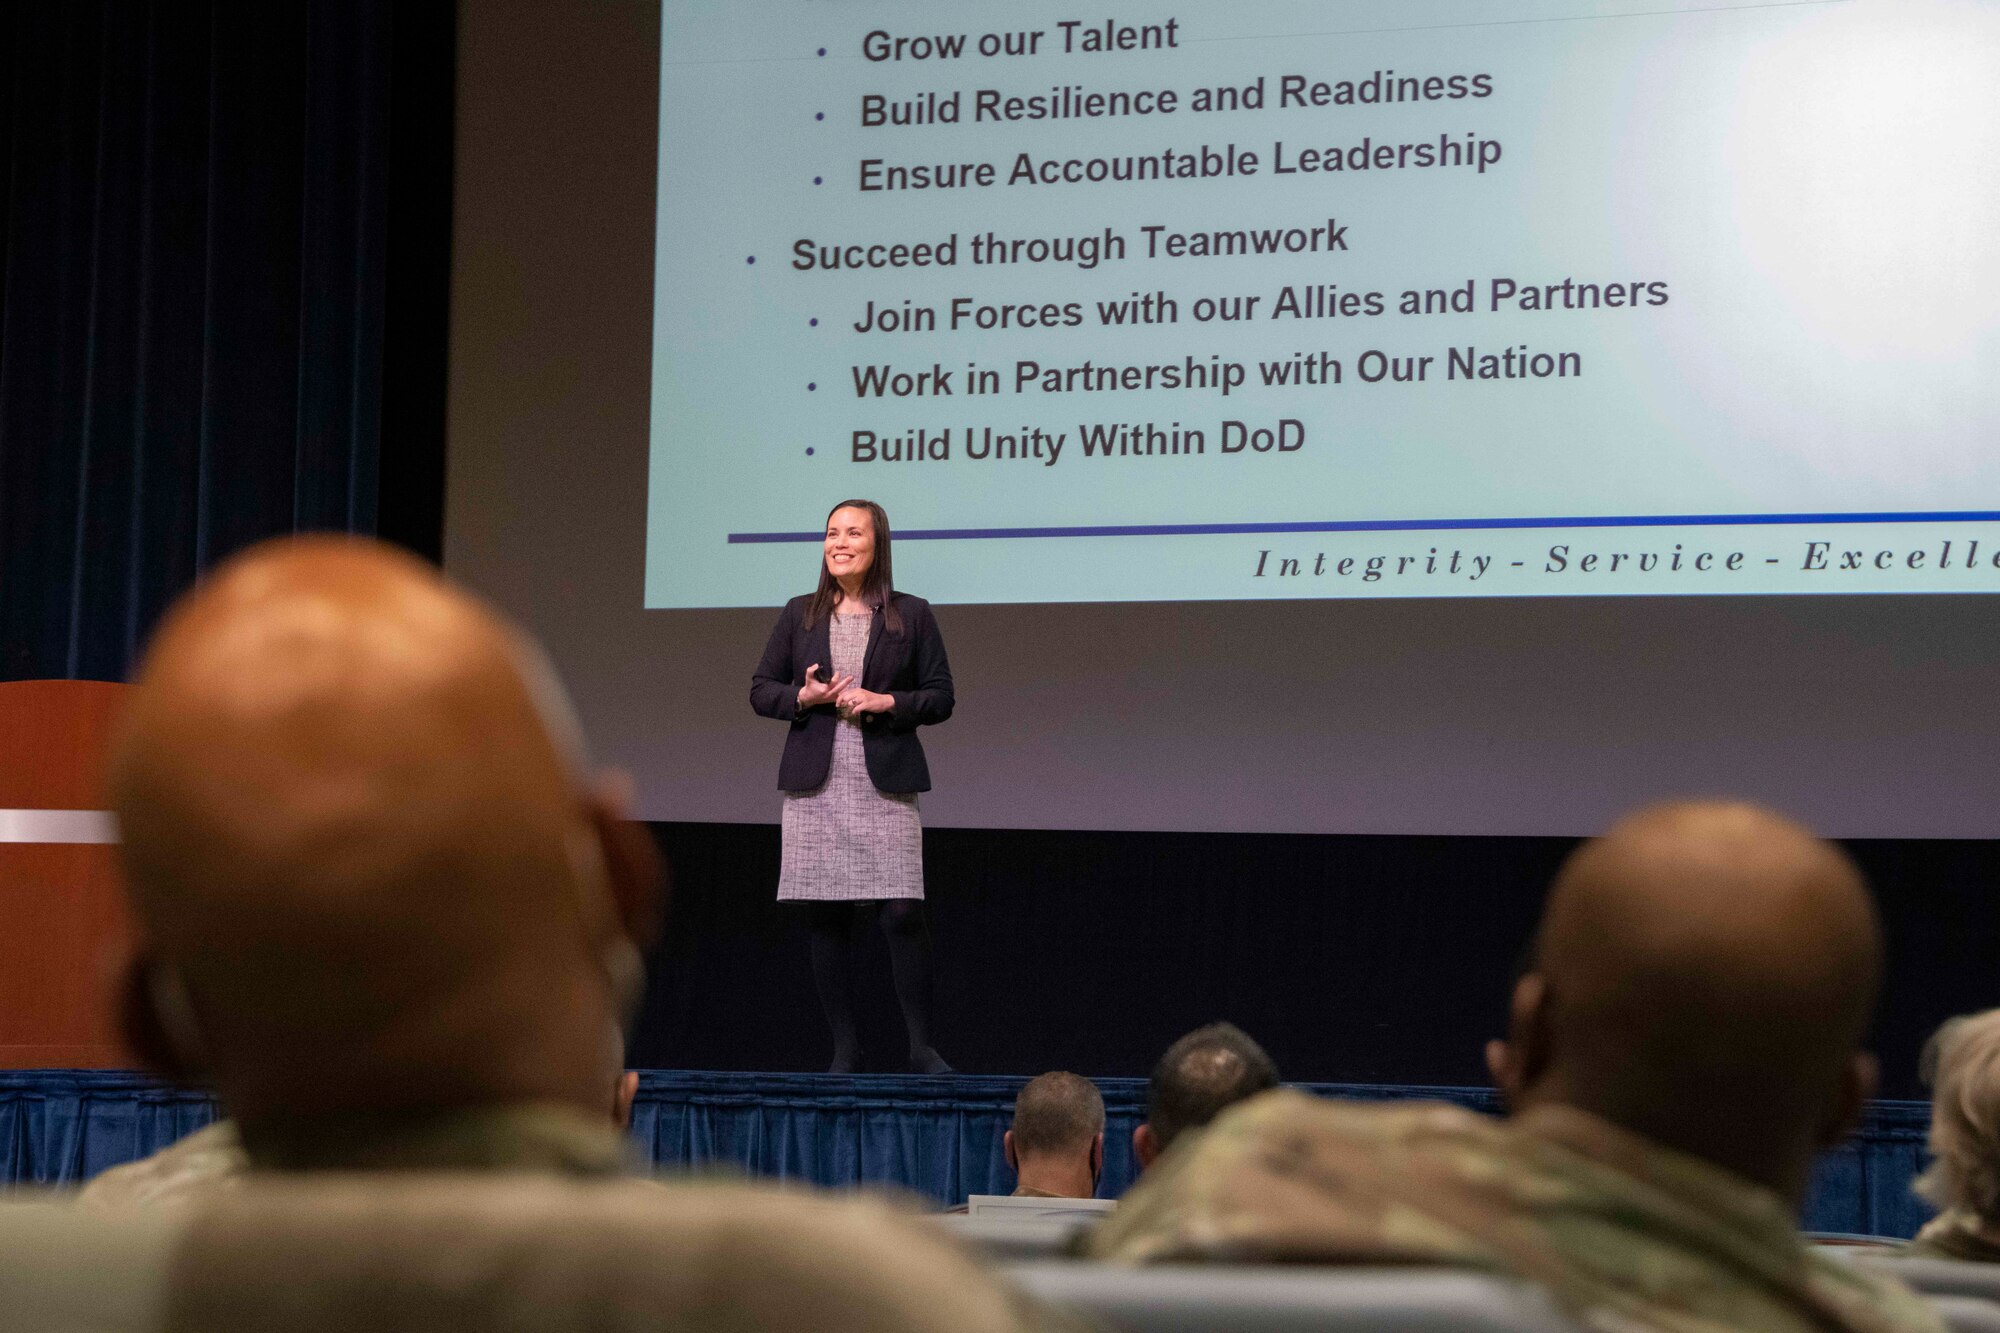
841,691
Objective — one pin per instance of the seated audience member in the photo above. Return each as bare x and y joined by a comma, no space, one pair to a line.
1962,1064
1209,1069
1056,1147
375,904
377,908
1684,1046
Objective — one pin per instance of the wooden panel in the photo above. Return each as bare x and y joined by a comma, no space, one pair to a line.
56,735
63,924
62,932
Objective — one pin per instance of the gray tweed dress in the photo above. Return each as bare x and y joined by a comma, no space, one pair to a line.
844,841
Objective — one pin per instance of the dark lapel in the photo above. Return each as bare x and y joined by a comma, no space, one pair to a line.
819,646
868,653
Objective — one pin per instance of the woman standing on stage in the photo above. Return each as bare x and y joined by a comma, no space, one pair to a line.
855,668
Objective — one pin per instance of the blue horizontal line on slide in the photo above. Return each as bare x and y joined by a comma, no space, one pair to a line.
1403,525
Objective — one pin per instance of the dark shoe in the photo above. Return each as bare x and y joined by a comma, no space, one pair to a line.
928,1061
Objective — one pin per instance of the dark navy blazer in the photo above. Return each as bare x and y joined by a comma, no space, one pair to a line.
908,666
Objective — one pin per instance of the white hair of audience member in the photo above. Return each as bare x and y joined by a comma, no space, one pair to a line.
1962,1065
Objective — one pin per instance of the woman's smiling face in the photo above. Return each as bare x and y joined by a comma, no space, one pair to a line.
850,543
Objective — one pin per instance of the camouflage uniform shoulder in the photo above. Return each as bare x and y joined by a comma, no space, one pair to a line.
1289,1177
1624,1233
208,1160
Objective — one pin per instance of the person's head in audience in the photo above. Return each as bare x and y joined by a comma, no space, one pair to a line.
1681,1046
1056,1145
367,871
1703,976
1207,1070
1962,1065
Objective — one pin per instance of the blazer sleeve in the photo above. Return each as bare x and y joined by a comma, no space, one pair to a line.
774,686
932,700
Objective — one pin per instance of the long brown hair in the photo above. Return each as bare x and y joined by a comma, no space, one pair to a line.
878,585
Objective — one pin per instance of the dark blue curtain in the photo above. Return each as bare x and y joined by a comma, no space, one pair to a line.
63,1126
938,1137
204,207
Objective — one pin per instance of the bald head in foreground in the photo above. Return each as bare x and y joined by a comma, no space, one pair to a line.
381,908
1703,976
368,873
1684,1043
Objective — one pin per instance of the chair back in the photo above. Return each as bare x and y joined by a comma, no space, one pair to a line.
530,1254
1031,1205
1967,1314
1938,1277
1006,1237
1209,1298
69,1270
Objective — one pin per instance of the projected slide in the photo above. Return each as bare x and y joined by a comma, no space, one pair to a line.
1348,298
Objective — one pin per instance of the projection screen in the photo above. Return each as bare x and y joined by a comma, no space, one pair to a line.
1429,416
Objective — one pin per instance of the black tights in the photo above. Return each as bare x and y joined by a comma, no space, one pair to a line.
837,930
